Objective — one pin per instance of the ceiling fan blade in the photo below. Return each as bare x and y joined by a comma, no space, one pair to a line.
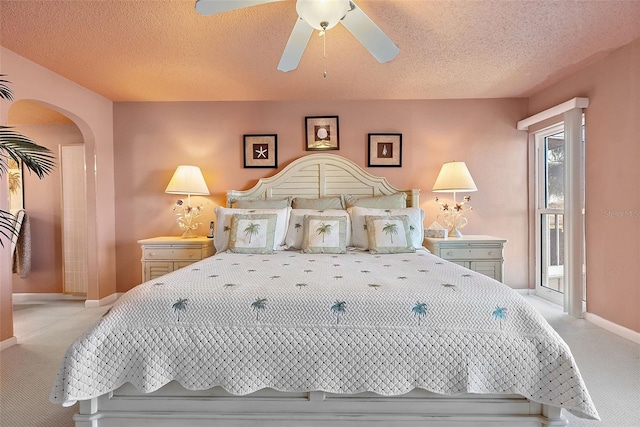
295,46
369,34
208,7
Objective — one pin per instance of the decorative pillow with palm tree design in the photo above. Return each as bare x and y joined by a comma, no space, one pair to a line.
324,234
359,237
252,233
294,237
389,234
223,225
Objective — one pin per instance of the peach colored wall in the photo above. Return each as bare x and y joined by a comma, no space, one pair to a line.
43,203
612,179
6,309
93,115
151,139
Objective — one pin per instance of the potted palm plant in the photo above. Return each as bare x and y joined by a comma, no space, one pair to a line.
36,158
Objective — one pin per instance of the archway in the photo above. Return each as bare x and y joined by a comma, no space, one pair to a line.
93,115
55,205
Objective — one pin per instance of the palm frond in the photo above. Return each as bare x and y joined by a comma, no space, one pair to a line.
5,91
7,226
38,159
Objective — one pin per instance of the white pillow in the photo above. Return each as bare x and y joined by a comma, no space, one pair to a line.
223,225
389,234
324,234
260,203
294,237
359,237
322,203
391,201
252,233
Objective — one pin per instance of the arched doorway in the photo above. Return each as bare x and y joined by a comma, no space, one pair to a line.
93,115
55,205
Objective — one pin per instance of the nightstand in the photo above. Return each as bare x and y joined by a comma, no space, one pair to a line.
162,255
482,254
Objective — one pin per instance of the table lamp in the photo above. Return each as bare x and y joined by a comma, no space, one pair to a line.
454,177
187,180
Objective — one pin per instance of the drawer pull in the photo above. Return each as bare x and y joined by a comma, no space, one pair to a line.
449,253
152,254
191,254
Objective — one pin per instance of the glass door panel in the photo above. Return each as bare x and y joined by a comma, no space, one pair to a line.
550,195
550,214
552,252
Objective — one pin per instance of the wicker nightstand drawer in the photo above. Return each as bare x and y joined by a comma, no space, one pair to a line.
172,254
162,255
470,253
482,254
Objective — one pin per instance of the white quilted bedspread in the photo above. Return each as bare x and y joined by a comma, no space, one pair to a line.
338,323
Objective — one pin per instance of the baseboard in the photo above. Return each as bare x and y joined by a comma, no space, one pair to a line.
21,298
525,291
24,298
605,324
613,327
9,342
93,303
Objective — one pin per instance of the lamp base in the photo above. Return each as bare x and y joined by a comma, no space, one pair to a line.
189,234
454,232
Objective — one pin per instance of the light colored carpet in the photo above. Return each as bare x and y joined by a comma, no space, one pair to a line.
609,364
27,370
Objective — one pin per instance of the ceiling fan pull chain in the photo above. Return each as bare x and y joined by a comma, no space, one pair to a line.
324,49
323,33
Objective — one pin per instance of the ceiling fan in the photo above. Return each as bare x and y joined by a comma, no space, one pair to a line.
319,15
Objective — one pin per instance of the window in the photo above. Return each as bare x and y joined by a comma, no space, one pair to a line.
550,170
549,213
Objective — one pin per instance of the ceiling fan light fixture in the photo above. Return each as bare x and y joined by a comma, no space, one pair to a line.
322,14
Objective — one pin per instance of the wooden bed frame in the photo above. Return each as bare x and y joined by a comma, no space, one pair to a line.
315,175
321,175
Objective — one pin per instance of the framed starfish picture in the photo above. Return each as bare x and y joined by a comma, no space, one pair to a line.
260,151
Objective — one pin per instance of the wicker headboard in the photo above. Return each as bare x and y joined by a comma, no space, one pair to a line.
321,175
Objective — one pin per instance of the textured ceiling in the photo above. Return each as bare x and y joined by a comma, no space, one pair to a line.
147,50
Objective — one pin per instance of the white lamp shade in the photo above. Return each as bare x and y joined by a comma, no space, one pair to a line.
317,11
454,177
187,180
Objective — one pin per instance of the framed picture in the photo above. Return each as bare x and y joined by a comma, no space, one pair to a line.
260,151
15,173
385,149
322,133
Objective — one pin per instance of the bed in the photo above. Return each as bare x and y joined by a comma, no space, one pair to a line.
317,335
